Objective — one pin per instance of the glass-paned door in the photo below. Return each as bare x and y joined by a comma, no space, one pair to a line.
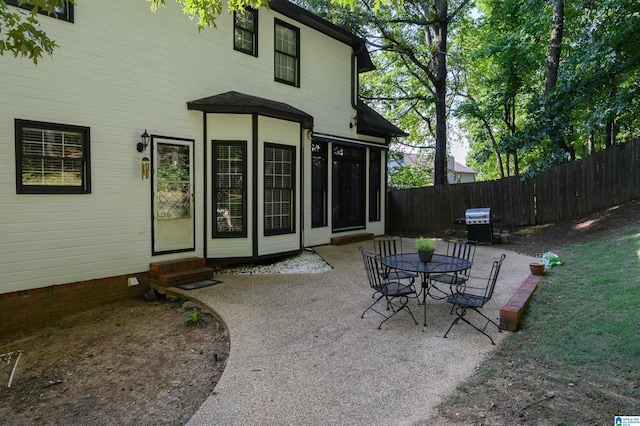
173,209
348,188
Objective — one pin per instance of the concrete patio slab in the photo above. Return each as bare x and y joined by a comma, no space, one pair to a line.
301,354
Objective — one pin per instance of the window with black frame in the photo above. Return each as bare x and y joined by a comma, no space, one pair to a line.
279,178
52,158
245,31
229,183
64,11
375,170
287,53
319,184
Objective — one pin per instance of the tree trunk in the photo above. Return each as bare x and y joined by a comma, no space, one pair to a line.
553,60
440,63
553,65
608,138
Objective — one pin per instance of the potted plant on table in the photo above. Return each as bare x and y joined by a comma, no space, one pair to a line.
426,247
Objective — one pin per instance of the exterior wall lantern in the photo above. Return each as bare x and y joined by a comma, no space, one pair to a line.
142,147
144,141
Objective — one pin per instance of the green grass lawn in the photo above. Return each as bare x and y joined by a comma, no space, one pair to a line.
587,317
576,359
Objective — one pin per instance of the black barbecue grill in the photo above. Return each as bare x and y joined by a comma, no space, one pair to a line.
479,224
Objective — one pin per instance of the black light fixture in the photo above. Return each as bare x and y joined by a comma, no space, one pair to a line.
144,141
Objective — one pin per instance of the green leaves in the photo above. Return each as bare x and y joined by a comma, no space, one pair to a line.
506,109
20,31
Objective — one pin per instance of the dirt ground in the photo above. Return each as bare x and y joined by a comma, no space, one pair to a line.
129,362
136,362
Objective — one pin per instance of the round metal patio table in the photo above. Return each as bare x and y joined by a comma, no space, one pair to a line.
439,264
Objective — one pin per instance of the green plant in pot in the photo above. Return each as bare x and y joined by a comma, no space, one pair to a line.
426,247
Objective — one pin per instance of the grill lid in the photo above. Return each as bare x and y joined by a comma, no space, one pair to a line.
478,215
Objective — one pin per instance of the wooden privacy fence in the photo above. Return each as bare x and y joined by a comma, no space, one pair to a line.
601,180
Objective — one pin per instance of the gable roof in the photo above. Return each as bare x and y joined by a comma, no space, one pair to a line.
461,168
373,124
240,103
307,18
369,122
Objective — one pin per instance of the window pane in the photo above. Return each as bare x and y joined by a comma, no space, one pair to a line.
285,67
278,194
285,40
173,186
63,11
286,61
229,164
51,157
245,31
319,182
375,183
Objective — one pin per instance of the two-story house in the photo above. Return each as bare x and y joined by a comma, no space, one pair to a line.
143,140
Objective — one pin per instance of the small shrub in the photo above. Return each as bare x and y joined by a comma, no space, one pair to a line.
195,317
423,243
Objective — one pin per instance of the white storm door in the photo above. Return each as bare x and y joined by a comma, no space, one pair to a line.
173,209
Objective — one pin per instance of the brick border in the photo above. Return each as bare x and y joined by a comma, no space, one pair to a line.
511,312
25,309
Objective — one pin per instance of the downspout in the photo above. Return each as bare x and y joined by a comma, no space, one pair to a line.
205,216
303,140
354,77
254,199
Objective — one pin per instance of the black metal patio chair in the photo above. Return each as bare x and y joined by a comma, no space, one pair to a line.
395,294
472,295
387,245
464,249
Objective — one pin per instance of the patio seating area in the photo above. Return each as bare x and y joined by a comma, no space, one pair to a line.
301,354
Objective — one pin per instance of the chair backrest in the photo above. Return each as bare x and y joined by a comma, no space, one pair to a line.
493,278
374,269
465,249
387,245
481,288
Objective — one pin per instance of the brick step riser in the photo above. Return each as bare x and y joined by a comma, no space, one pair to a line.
172,266
184,277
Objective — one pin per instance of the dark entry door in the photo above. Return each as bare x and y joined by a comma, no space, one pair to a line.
348,188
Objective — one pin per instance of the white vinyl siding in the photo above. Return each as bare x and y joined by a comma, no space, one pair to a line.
141,77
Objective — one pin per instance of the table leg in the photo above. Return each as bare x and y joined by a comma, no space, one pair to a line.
425,284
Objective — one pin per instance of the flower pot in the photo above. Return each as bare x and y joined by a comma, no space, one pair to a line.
537,268
425,255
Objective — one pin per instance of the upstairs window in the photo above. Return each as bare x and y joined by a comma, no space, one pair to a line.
287,53
245,31
64,11
51,158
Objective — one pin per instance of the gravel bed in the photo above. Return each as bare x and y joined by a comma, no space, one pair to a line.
307,262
